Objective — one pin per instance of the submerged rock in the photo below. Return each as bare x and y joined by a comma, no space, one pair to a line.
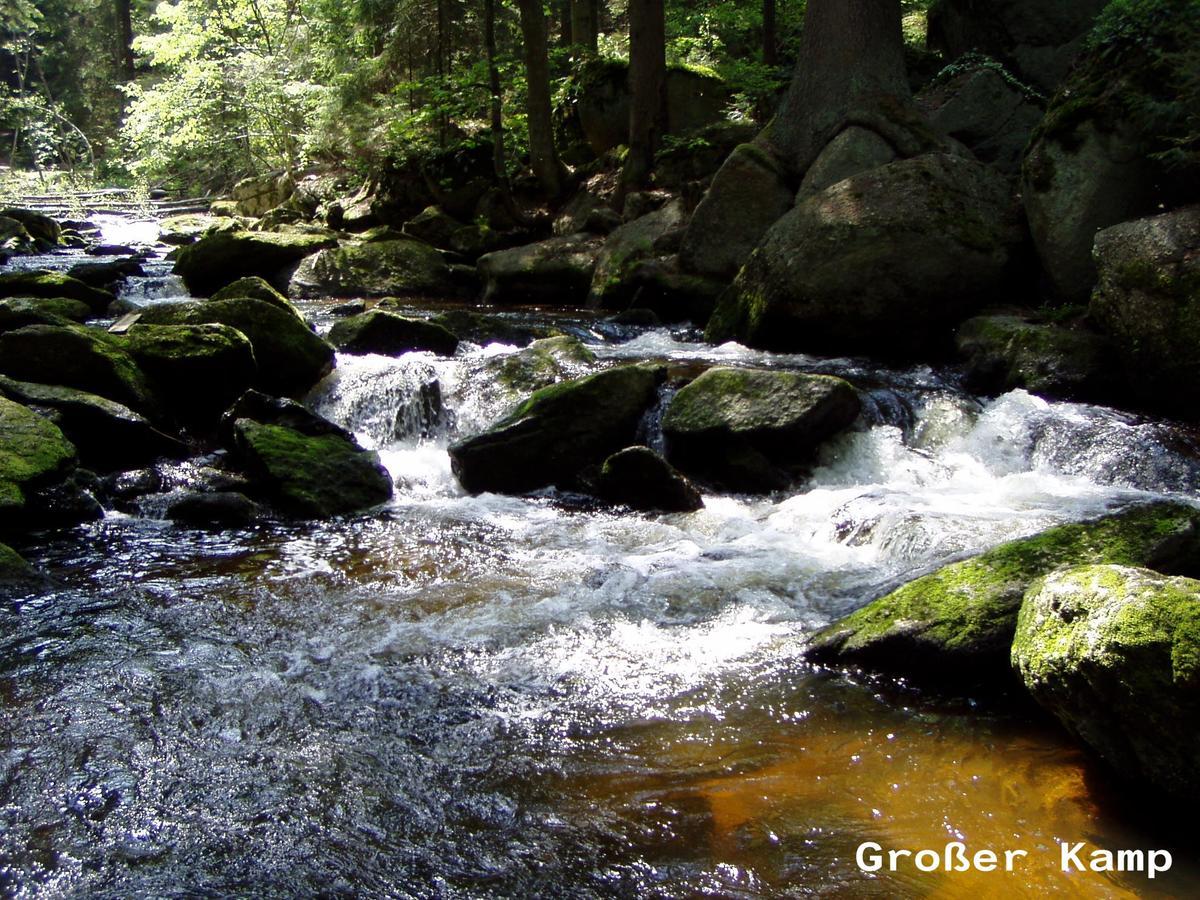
1114,654
751,429
290,358
33,453
78,357
40,283
558,432
959,621
885,261
388,334
1003,353
639,478
557,271
221,257
396,268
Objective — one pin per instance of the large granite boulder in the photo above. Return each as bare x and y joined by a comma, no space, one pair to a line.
749,194
557,271
258,288
395,268
612,280
1148,301
388,334
39,226
33,453
960,620
557,433
883,262
1114,653
258,194
221,257
755,429
290,358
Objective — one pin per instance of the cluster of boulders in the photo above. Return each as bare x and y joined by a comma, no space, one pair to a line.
1096,620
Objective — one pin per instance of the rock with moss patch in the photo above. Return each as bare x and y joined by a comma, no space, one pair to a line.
43,229
219,509
380,269
755,429
311,476
959,621
79,357
40,283
1147,301
557,271
481,328
542,363
434,226
557,433
14,571
1007,352
883,262
197,370
290,358
728,224
107,435
1114,653
184,229
259,289
259,194
854,150
641,479
33,453
221,257
612,281
17,312
388,334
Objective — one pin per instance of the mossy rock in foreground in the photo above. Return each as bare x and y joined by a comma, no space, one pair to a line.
51,285
959,621
311,476
1114,654
33,452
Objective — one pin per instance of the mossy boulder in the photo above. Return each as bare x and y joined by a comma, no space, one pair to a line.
221,257
196,370
755,429
660,286
311,476
1114,653
434,226
748,195
1007,352
388,334
1148,301
14,571
184,229
40,283
884,262
107,435
17,312
290,358
561,430
960,620
33,453
640,478
218,509
259,289
79,357
612,281
380,269
39,226
556,271
481,328
259,194
542,363
853,150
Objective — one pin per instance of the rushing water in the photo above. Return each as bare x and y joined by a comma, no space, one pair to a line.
533,697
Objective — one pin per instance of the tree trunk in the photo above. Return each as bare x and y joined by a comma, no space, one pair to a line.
125,36
585,25
850,71
497,111
647,85
542,157
443,38
770,49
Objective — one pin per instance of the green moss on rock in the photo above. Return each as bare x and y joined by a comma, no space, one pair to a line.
259,289
17,312
12,567
395,268
222,257
33,452
961,618
40,283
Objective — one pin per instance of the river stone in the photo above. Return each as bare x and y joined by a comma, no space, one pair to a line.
106,275
222,509
14,571
107,435
1147,300
639,478
480,328
79,357
434,226
747,196
1003,353
882,262
752,429
268,410
259,289
632,242
184,229
557,271
17,312
197,370
221,257
388,334
854,150
40,283
542,363
672,295
33,452
43,229
290,358
311,476
558,432
1114,653
259,194
380,269
959,621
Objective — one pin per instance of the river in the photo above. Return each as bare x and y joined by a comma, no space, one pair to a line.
458,696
